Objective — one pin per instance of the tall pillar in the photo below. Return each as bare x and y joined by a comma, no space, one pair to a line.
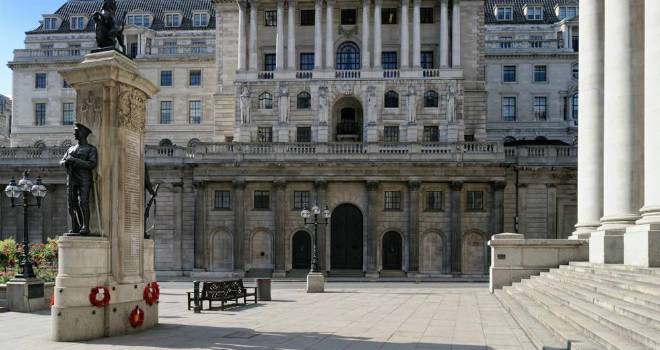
239,225
291,32
279,218
321,189
590,147
413,226
253,34
378,46
417,44
642,242
241,36
444,34
366,53
456,34
405,54
329,35
200,223
497,221
456,233
372,235
624,120
318,36
279,39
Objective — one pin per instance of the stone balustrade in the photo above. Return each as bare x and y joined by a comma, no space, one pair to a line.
364,74
50,54
542,155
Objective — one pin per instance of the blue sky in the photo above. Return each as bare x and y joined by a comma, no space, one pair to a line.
18,17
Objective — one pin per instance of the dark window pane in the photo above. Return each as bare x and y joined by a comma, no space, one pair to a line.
222,200
304,100
40,114
540,73
475,200
166,78
348,16
348,56
392,200
40,81
265,101
427,59
307,17
434,200
265,134
195,78
388,16
509,74
389,60
303,134
68,113
431,134
431,99
270,18
391,99
426,15
509,109
261,199
391,134
166,112
307,61
270,62
540,108
300,200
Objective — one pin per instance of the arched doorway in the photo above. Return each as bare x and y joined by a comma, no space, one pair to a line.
301,250
433,248
392,251
346,238
474,254
348,120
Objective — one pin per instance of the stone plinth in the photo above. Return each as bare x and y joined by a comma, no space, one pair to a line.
25,295
606,246
315,282
642,245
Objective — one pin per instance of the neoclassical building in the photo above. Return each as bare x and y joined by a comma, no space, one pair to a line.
376,110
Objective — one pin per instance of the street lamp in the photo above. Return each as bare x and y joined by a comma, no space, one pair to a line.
14,191
306,214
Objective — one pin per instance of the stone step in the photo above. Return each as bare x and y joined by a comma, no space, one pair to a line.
527,314
622,268
624,275
641,287
617,331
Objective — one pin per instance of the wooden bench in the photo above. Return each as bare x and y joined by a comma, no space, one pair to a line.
222,291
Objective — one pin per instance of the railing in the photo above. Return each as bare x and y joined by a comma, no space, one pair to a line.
541,155
391,73
347,74
72,53
305,74
268,75
430,73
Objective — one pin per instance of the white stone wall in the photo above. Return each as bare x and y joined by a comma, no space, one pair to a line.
5,120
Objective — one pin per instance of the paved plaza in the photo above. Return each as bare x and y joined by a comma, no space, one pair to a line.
458,316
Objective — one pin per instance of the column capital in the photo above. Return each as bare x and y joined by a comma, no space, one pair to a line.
413,185
372,185
456,185
279,184
498,185
238,184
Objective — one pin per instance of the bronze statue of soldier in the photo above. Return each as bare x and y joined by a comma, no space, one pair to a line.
109,29
79,161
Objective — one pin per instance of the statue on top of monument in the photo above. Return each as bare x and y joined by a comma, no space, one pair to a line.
109,28
79,161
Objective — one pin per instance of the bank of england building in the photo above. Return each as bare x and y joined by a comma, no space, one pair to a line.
403,118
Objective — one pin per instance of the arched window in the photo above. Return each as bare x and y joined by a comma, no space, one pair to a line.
574,106
193,143
40,144
430,99
266,101
304,100
348,56
391,99
165,143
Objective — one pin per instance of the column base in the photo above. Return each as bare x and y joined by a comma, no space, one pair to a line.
606,246
315,282
642,245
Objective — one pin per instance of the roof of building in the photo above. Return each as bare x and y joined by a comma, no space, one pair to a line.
156,8
549,15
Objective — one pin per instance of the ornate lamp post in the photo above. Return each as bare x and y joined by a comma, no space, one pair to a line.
315,279
14,191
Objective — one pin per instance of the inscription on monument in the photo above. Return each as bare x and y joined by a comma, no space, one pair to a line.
132,204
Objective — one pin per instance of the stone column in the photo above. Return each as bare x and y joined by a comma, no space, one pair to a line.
456,34
321,189
413,226
281,206
254,4
378,48
241,36
239,225
590,147
551,205
291,31
642,242
372,235
366,53
201,198
405,54
497,189
417,44
318,36
624,121
279,39
329,35
456,233
444,34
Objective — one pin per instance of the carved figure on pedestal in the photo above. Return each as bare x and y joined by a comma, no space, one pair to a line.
79,161
412,104
451,102
109,29
245,105
323,105
371,105
284,104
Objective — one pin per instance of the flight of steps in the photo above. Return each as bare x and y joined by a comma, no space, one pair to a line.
588,306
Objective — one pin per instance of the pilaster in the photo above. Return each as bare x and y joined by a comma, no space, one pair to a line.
279,217
372,234
239,225
455,227
413,226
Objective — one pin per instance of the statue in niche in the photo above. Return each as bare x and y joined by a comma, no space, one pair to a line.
245,104
79,161
451,102
371,104
323,105
412,104
284,104
109,29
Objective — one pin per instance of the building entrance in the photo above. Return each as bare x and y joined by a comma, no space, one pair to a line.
301,250
392,251
346,238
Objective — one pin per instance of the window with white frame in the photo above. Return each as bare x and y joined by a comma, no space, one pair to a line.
567,11
392,200
68,113
200,19
535,13
165,112
540,73
51,23
173,20
509,74
541,107
40,114
504,13
266,101
195,112
77,23
139,20
509,108
475,200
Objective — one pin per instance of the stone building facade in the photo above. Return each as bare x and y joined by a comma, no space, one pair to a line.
375,109
5,120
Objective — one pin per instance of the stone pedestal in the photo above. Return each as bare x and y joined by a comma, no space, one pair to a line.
642,245
372,133
412,132
322,135
315,282
26,295
111,102
455,132
606,246
282,132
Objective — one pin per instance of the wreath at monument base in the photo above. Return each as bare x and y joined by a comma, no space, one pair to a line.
151,293
136,318
99,296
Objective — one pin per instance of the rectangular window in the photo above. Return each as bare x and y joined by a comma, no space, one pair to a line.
392,200
576,43
389,60
195,112
434,200
195,78
166,78
509,109
307,17
169,47
391,134
68,113
138,20
567,11
540,73
40,81
506,42
200,20
265,134
427,59
198,47
468,138
535,13
261,199
426,15
77,23
165,112
222,200
270,62
575,107
541,107
431,134
50,23
475,200
303,134
270,18
39,114
172,20
509,74
301,200
536,41
348,16
504,13
388,16
307,61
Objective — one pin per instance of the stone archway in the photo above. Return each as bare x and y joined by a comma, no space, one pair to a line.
222,251
301,250
346,238
347,120
392,251
474,254
433,253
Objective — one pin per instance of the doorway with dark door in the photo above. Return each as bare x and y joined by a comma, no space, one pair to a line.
301,250
392,251
346,238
